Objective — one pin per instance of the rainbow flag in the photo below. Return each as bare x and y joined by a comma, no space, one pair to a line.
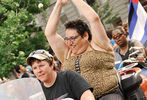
137,22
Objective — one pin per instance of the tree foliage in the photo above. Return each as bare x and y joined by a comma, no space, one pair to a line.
17,24
105,12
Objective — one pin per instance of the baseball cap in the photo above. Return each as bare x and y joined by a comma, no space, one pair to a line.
38,54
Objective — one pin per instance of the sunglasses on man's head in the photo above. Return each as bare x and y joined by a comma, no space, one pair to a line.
37,52
117,36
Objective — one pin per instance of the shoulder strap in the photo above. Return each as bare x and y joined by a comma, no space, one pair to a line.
77,67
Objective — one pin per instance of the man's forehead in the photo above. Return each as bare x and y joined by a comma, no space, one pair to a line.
36,61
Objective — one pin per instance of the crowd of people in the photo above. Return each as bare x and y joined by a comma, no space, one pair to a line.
127,48
81,65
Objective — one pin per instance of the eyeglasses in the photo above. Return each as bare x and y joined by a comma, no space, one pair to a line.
117,36
72,38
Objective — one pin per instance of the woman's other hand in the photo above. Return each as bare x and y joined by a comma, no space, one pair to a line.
63,2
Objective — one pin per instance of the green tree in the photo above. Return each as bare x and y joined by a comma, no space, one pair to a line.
105,12
17,24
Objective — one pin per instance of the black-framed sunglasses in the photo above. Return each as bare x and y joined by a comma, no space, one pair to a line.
117,36
37,52
72,38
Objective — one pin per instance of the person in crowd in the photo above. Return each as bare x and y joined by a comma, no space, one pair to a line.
109,34
21,70
146,51
89,53
125,26
30,71
127,48
57,62
4,80
67,84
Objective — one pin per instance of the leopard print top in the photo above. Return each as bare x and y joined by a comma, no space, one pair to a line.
97,68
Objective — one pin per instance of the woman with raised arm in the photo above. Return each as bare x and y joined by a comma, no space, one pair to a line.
86,52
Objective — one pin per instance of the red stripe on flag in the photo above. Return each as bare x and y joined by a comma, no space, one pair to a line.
134,1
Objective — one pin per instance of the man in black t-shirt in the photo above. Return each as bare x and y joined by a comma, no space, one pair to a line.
58,85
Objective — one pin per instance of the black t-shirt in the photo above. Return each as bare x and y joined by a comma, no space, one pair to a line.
67,83
126,56
25,75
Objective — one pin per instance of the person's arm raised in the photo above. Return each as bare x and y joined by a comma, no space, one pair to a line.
55,40
99,37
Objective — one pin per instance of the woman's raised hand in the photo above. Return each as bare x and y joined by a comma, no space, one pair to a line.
63,2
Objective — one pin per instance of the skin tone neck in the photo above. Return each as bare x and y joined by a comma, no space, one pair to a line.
51,79
84,48
123,49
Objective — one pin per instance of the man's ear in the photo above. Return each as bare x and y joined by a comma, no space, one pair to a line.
85,36
52,65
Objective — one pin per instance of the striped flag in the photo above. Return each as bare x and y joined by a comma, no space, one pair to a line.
137,22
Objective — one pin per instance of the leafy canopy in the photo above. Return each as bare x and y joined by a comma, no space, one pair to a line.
17,24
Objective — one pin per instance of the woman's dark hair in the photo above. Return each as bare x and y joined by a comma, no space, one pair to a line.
121,30
80,26
17,68
109,33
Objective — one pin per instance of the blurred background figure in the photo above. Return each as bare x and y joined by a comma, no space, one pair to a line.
4,80
30,71
109,34
57,62
125,26
21,71
128,48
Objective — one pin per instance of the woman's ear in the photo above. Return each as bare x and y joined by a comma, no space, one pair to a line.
85,36
53,65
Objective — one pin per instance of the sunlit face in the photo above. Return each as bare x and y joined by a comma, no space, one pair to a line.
22,69
119,37
42,70
73,40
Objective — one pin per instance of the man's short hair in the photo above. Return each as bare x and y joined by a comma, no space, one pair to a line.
80,26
